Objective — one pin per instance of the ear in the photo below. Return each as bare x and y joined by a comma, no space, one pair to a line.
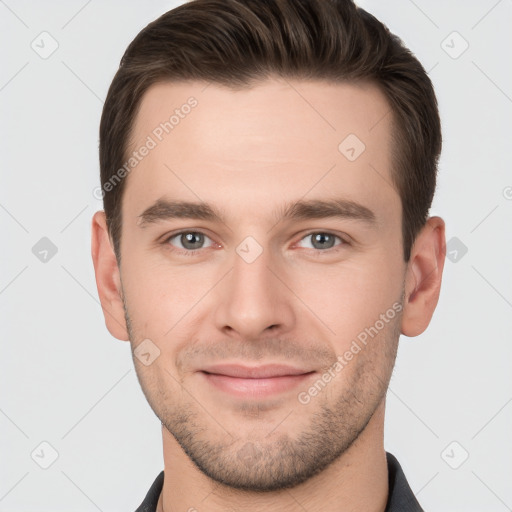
108,280
423,277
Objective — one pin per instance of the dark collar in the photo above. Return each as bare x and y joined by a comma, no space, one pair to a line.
400,499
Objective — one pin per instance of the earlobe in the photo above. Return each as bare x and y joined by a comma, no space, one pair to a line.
424,276
108,278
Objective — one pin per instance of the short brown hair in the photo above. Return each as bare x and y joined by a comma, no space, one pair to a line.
237,43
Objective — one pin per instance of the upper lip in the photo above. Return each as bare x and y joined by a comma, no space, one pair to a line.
254,372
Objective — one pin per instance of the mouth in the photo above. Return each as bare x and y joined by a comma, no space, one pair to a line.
256,381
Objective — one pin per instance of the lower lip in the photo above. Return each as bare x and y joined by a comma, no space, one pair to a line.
256,388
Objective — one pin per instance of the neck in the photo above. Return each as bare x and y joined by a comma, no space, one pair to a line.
357,480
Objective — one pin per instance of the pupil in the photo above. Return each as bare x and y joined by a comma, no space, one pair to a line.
190,239
322,238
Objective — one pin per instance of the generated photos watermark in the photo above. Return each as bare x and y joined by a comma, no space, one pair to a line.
360,342
157,135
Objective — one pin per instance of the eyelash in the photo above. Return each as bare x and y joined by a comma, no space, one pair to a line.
316,252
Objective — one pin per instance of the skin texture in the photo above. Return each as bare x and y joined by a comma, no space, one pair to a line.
247,153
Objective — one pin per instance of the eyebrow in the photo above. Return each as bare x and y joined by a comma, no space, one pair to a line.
164,209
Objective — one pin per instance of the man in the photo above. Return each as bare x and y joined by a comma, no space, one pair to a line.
267,169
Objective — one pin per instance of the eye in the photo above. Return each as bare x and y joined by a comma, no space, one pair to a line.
323,240
189,241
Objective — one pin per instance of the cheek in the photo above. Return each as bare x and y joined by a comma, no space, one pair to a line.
159,295
345,296
351,296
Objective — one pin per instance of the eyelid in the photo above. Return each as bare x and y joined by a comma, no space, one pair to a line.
345,239
168,237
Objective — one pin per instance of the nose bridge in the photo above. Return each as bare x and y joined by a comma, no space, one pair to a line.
253,298
251,276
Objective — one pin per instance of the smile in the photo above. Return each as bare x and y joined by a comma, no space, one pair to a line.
255,382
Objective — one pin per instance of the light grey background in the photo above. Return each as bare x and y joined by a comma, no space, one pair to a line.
65,381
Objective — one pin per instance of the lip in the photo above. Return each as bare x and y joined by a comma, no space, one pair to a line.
255,381
254,372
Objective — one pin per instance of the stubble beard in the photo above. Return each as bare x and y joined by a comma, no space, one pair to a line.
280,461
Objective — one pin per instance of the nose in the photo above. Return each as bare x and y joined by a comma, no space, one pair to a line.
254,300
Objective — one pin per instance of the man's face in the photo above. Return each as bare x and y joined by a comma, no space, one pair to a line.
250,323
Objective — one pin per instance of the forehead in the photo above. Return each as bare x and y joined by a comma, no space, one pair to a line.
280,139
